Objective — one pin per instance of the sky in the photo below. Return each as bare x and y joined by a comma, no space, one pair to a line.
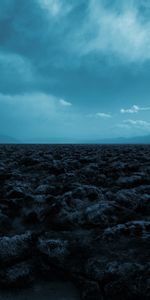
74,69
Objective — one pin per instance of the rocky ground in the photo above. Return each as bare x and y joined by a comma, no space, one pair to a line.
81,212
43,290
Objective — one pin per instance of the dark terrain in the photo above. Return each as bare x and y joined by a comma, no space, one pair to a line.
79,212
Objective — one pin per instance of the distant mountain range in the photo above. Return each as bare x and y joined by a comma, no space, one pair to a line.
5,139
120,140
123,140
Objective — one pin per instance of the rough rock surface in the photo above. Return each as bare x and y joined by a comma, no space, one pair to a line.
81,212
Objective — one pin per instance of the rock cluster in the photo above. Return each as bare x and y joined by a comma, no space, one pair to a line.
82,212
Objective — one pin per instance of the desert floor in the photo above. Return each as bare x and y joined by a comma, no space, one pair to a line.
75,212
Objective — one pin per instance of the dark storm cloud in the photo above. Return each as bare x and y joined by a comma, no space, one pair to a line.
93,54
60,40
37,35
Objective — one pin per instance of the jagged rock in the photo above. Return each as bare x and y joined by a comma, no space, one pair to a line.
54,250
15,248
88,192
74,206
95,268
135,229
132,181
5,223
57,167
143,205
127,197
18,275
17,191
29,161
4,173
90,173
101,214
35,214
120,280
44,189
126,281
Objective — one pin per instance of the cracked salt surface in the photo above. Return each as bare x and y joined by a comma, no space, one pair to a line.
55,290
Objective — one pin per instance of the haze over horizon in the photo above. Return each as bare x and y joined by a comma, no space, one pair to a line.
74,69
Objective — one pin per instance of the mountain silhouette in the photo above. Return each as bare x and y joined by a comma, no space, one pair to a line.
5,139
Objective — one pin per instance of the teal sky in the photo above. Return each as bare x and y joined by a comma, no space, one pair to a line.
75,69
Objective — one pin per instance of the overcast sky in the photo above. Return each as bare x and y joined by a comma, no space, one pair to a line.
74,68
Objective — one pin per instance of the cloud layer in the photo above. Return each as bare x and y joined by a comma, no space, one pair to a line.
64,60
65,103
117,29
134,109
103,115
